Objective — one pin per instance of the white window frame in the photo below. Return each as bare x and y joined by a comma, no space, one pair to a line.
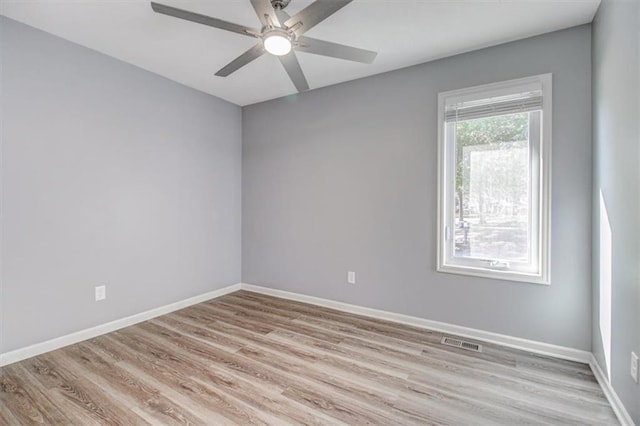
541,171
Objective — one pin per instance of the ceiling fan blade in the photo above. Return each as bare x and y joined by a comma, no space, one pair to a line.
335,50
266,13
316,12
292,66
204,20
242,60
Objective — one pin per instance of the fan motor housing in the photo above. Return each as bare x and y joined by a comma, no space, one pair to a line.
280,4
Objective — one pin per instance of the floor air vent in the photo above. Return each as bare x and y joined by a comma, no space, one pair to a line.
457,343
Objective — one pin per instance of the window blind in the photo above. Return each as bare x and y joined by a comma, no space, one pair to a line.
524,102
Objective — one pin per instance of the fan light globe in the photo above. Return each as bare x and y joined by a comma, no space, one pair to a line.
277,44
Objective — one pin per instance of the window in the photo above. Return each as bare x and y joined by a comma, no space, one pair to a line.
494,180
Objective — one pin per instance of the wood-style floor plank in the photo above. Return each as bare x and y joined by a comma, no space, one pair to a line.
252,359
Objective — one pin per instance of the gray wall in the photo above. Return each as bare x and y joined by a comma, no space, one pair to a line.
110,175
616,131
344,178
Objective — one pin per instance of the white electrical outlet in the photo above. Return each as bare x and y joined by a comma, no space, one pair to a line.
351,277
101,292
634,367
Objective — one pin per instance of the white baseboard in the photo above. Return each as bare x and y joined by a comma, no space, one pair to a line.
472,333
89,333
486,336
612,396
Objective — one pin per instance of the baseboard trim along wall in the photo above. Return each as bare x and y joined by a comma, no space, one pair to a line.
485,336
612,396
89,333
472,333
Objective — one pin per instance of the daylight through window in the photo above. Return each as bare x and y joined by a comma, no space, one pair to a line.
494,180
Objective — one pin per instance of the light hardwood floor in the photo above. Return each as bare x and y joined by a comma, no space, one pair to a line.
247,358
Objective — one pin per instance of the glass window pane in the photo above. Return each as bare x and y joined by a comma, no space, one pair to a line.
492,184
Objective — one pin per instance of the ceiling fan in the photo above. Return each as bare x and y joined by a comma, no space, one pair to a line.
281,35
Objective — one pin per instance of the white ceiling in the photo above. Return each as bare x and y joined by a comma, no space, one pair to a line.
403,32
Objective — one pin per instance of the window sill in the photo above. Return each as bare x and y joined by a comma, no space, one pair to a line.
495,274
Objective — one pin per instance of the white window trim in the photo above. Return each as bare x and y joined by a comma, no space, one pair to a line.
544,229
